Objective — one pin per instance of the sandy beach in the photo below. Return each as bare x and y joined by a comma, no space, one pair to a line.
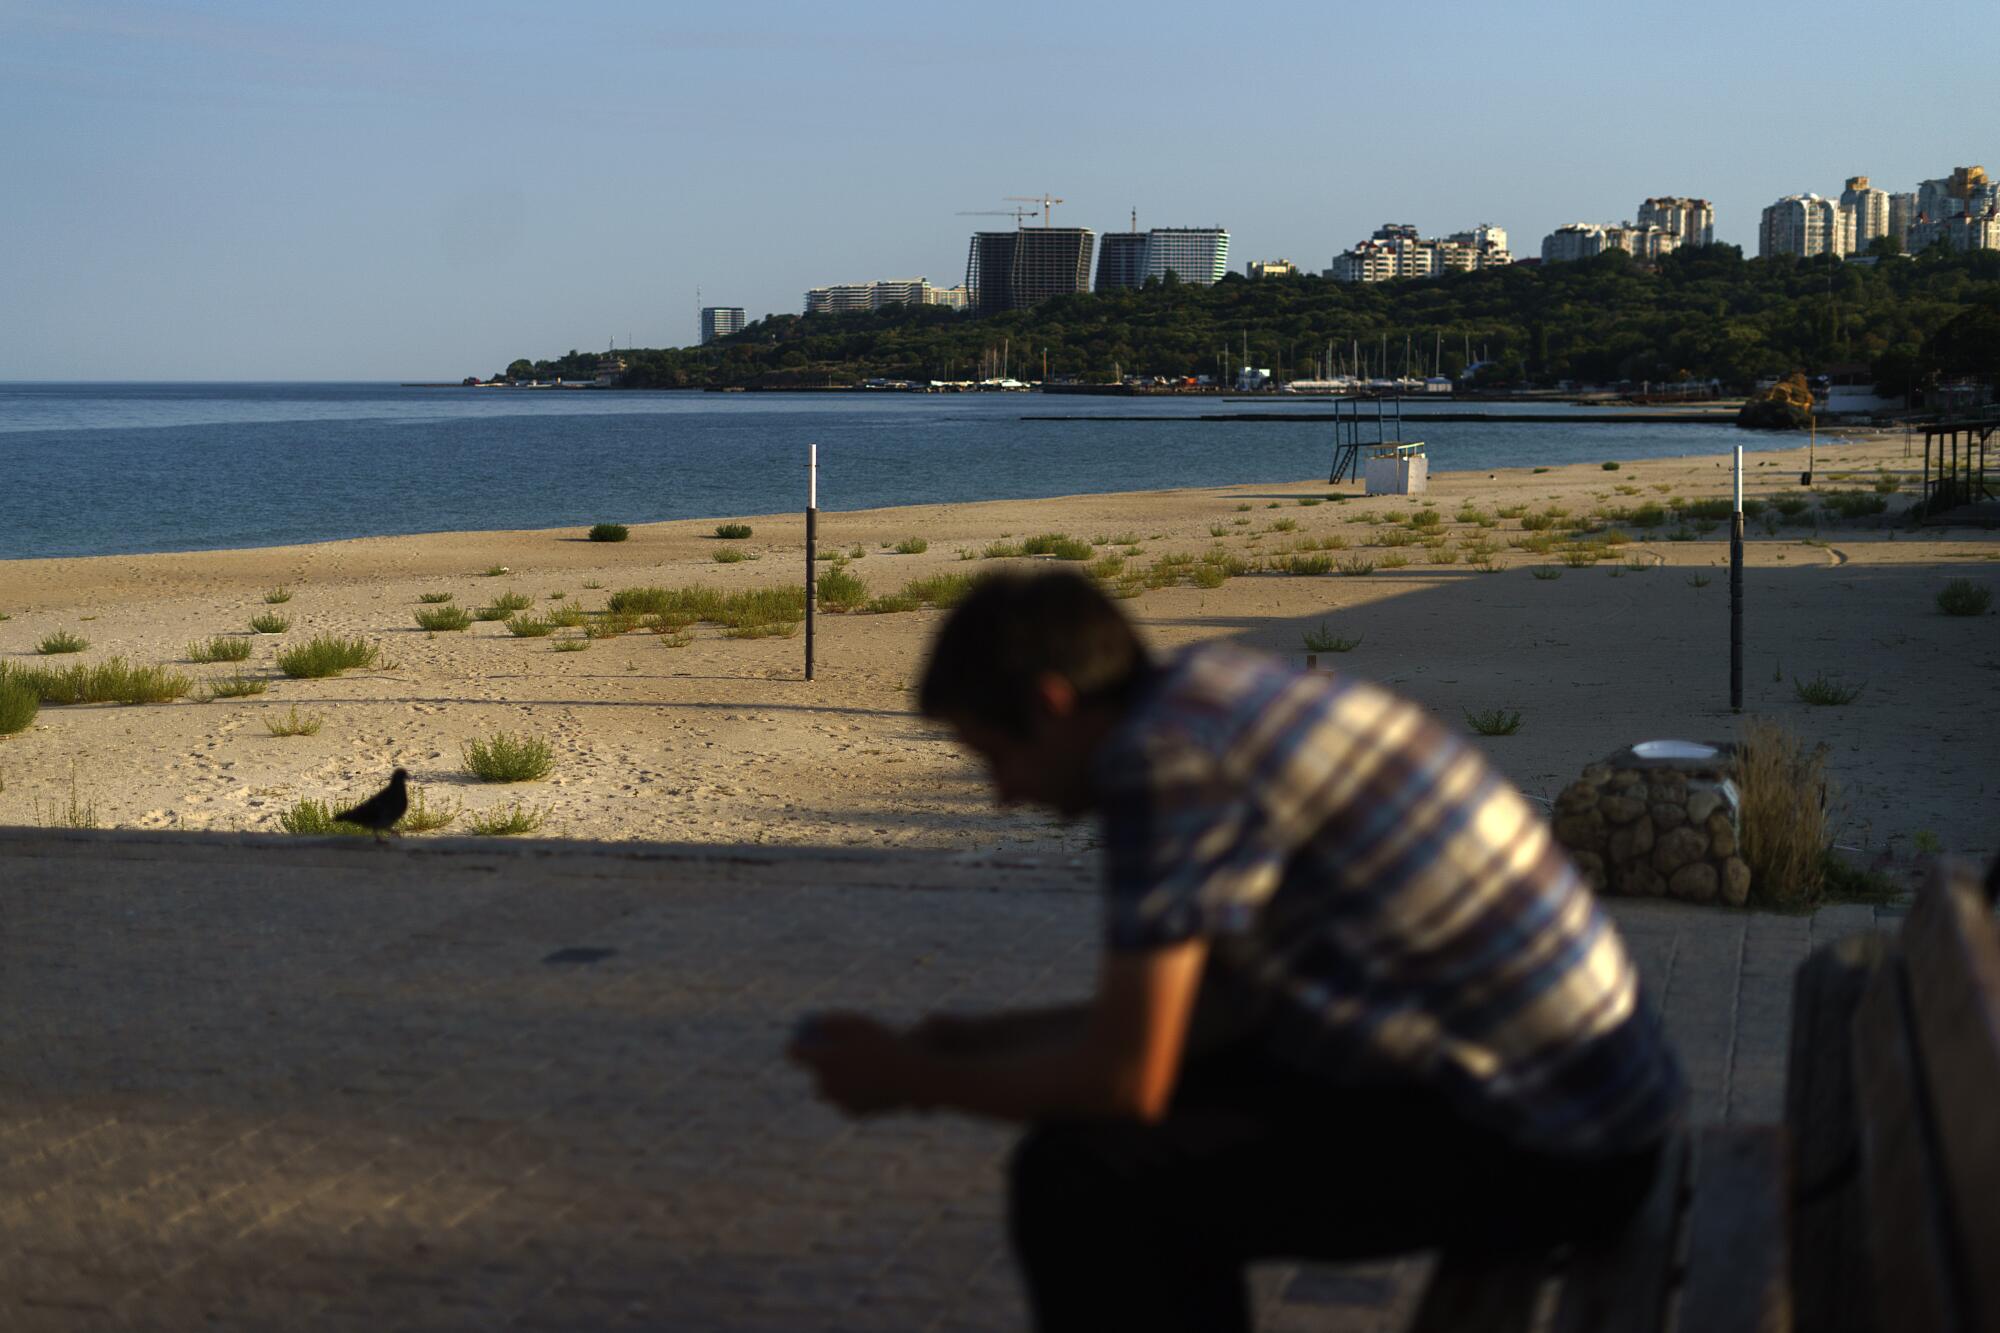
705,738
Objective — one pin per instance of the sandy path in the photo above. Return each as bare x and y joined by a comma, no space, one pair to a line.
721,741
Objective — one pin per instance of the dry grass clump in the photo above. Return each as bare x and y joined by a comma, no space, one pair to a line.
506,757
1783,790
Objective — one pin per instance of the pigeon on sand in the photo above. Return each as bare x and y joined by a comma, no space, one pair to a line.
381,811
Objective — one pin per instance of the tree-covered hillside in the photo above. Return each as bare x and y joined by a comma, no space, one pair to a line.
1702,314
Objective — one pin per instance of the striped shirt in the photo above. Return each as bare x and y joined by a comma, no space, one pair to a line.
1378,902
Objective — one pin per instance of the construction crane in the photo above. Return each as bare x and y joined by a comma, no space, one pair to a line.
1047,201
1018,214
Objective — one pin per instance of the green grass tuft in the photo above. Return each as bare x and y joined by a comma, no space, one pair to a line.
269,622
570,645
609,532
444,618
512,822
294,723
1824,691
422,817
1356,566
1546,573
838,590
62,641
732,531
433,598
512,601
1494,721
529,627
912,546
236,687
1963,597
327,655
112,681
506,757
1057,545
730,555
18,705
494,571
1609,467
1324,640
314,818
278,596
221,648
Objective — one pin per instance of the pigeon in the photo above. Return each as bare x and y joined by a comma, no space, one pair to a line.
381,811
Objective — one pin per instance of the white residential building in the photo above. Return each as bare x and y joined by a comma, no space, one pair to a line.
1198,256
952,297
1961,231
1691,221
1805,225
849,296
1396,251
1573,241
1583,240
1869,209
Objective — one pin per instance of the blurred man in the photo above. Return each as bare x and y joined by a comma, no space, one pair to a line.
1353,999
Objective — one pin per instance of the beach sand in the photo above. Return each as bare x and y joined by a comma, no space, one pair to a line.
721,740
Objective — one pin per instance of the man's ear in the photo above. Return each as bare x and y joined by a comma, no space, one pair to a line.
1054,696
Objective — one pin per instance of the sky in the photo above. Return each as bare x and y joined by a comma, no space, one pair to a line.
374,191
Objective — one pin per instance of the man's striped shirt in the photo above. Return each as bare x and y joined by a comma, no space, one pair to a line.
1379,902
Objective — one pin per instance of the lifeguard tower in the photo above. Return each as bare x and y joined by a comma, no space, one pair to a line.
1387,464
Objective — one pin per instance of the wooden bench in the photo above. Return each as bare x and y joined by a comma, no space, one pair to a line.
1876,1206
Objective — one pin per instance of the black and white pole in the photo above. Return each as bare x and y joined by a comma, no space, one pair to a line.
1736,593
812,543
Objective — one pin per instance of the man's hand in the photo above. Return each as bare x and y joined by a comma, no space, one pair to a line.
861,1066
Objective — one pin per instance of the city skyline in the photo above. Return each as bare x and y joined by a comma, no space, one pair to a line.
245,192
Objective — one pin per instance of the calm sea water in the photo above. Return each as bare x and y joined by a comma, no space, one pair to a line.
97,469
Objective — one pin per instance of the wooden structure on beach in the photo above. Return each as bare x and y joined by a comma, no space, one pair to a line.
1955,470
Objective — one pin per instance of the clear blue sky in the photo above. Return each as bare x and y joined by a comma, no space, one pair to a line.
237,190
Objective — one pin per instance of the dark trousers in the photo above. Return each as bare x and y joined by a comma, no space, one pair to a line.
1126,1225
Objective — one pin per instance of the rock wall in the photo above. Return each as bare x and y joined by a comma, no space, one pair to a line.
1655,829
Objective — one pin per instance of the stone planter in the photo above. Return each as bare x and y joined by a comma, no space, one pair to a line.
1657,820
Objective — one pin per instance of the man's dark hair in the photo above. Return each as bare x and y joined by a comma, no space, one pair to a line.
1014,628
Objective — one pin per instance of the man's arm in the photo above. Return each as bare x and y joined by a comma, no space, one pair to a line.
1120,1062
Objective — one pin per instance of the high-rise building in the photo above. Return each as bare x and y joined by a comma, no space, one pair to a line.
1121,260
1270,268
1198,256
719,321
1869,208
1902,216
1017,270
844,297
1689,221
1805,225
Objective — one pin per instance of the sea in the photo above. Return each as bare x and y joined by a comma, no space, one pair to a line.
108,469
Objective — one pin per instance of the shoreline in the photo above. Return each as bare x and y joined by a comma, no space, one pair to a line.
695,736
1830,436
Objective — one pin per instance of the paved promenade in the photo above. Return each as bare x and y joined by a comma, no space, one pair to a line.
264,1084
